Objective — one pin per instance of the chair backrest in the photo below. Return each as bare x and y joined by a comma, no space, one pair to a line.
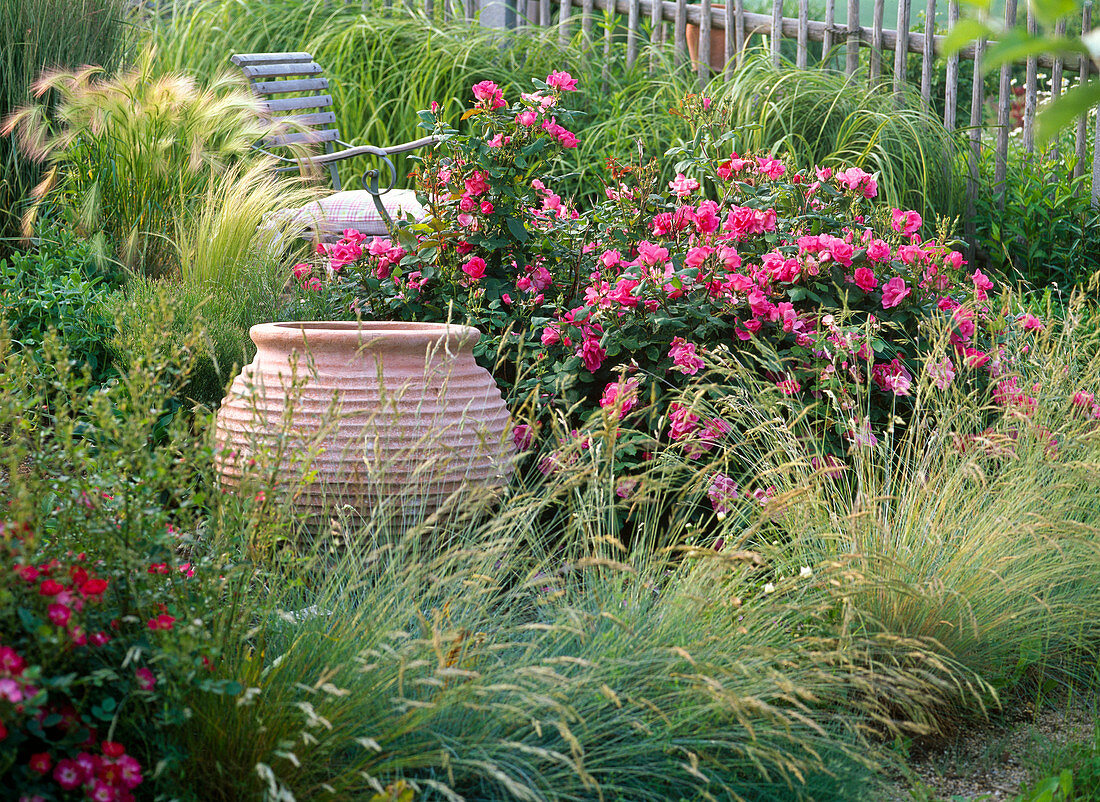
292,90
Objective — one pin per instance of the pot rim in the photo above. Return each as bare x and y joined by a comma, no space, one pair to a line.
352,332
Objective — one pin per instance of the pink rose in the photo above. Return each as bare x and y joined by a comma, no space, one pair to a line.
562,81
146,679
489,93
592,354
865,279
683,356
474,268
682,186
906,222
894,292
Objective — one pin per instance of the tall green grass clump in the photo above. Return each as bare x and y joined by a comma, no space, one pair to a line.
46,34
130,154
823,117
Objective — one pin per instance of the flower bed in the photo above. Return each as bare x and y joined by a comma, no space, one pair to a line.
845,305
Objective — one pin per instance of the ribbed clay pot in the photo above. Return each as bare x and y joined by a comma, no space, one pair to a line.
363,414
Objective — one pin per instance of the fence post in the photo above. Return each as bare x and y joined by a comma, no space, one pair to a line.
876,41
1083,70
929,53
901,49
951,91
679,33
739,32
777,30
657,33
827,37
1003,121
977,101
703,67
803,52
855,31
632,33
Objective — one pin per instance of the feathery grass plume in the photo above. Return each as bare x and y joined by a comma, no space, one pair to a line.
827,118
233,232
130,153
34,35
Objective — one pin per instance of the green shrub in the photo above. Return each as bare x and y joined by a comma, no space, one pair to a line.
58,287
212,320
36,35
1043,229
804,273
102,596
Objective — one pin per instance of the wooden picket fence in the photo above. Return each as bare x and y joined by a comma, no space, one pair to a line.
665,17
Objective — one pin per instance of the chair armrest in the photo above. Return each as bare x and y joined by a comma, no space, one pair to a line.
350,151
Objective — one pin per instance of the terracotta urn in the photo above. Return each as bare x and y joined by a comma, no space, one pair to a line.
365,414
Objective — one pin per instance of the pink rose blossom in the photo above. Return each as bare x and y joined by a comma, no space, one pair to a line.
981,284
682,186
592,354
474,268
894,292
683,421
620,396
865,279
770,168
562,81
1030,323
59,614
489,94
684,358
722,493
905,222
146,679
942,373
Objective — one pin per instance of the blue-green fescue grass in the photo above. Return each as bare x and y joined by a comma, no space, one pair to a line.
977,530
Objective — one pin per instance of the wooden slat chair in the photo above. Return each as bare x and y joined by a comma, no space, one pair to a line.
294,95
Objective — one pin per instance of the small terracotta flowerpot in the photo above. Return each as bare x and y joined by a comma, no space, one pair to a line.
717,44
365,414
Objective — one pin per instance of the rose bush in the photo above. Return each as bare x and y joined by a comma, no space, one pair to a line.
845,305
96,666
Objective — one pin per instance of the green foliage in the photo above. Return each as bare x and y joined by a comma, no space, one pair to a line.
1014,44
40,34
1068,772
58,287
1043,228
408,61
101,616
209,321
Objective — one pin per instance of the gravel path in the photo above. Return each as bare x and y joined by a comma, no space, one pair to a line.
991,762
